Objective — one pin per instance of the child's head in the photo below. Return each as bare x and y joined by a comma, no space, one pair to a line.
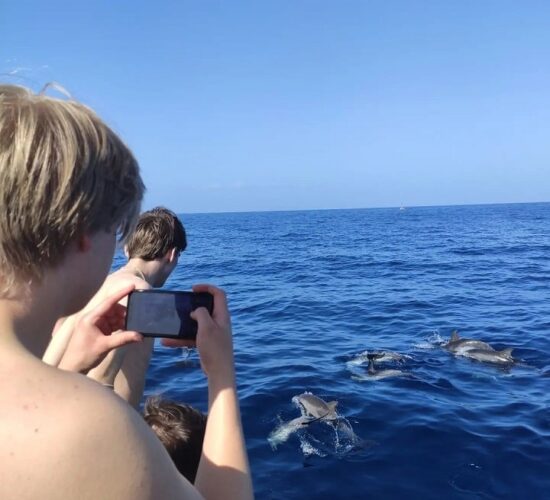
157,232
180,429
63,174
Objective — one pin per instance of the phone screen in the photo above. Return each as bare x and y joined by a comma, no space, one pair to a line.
159,313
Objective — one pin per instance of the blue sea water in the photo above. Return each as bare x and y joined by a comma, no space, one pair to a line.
311,290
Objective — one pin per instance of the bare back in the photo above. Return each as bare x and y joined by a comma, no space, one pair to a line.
64,436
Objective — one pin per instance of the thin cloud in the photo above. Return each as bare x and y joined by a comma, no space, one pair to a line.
18,70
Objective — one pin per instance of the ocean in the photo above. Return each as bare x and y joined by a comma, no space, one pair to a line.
310,291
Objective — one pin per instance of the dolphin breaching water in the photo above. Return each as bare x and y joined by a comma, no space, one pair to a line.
478,350
314,411
283,431
314,407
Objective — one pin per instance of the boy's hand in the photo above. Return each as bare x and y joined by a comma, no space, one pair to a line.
214,337
92,338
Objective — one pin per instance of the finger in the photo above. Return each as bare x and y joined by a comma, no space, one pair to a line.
201,316
220,300
122,339
110,302
58,325
217,293
178,343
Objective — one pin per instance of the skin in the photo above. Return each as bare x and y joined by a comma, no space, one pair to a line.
124,368
65,436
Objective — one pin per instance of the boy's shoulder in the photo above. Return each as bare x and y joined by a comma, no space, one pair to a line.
113,283
78,439
121,278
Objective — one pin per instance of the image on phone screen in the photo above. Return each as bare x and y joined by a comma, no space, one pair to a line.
165,314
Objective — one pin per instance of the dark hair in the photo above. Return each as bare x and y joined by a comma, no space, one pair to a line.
181,430
157,231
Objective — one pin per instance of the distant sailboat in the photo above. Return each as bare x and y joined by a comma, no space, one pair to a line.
402,209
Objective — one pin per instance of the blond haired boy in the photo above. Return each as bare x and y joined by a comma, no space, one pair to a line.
67,185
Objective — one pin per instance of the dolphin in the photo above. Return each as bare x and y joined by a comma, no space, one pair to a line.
458,345
503,357
312,406
382,357
374,374
478,350
281,433
380,374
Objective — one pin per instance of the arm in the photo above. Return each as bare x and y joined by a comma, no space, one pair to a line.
120,447
93,337
130,380
126,368
223,471
108,369
64,329
60,340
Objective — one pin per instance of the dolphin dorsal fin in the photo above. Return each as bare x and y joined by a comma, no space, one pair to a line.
332,405
455,336
507,352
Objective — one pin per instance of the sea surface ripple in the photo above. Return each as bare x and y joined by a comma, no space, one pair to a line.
310,290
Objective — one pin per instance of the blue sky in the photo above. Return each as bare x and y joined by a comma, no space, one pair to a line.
283,105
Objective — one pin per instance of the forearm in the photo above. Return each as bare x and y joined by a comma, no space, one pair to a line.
224,471
59,342
105,373
130,380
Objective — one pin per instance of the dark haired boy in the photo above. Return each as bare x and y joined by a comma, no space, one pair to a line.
153,249
180,428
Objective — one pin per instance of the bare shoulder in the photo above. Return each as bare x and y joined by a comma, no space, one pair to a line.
117,446
113,283
120,279
83,441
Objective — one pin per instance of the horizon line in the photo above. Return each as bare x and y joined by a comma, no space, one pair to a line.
364,208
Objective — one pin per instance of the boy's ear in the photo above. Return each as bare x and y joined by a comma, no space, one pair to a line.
84,243
126,251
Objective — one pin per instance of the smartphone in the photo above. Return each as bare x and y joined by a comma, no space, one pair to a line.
162,313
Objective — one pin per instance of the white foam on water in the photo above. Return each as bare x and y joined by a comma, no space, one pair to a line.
380,375
308,449
434,341
284,430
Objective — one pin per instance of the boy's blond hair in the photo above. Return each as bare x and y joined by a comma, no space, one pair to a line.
63,173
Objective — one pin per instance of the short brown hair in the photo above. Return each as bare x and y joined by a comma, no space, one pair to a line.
157,231
181,430
63,173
